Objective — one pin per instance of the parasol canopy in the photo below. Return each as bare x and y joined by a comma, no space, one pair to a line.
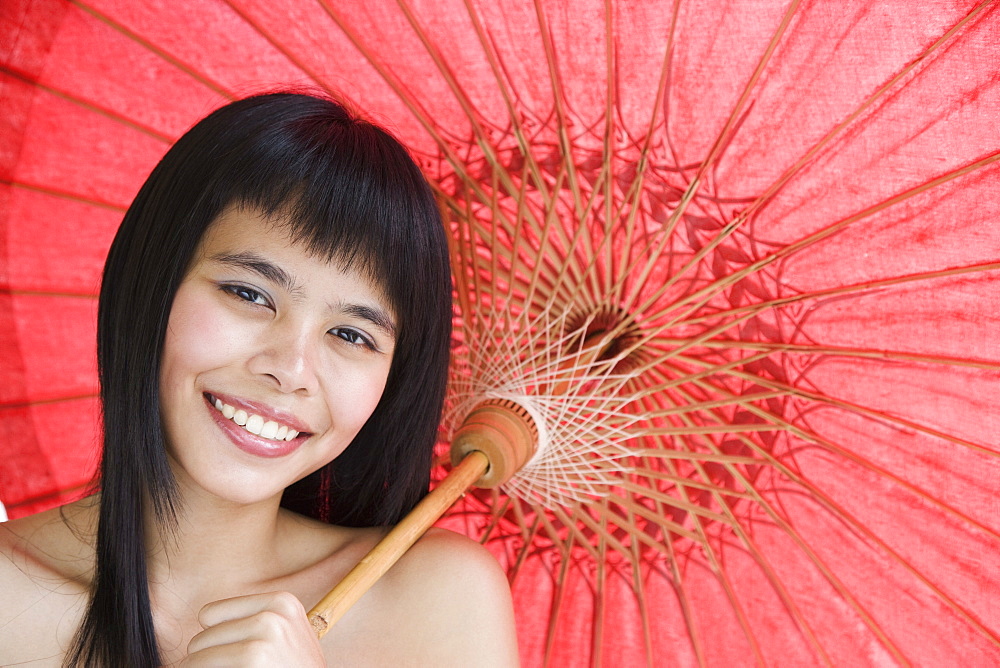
737,260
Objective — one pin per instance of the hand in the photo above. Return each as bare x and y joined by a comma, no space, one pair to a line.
257,630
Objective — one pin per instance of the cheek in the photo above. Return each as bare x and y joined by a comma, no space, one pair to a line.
199,337
357,395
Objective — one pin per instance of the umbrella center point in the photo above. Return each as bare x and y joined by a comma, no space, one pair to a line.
610,333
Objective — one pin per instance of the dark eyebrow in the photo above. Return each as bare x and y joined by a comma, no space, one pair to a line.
374,315
258,265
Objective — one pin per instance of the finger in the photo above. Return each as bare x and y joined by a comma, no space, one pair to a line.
240,607
260,629
244,654
259,626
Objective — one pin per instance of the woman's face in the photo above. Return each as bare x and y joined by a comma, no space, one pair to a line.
273,360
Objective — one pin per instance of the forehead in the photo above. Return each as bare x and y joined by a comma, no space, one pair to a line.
238,225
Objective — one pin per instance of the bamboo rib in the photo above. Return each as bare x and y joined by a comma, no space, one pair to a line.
810,437
860,527
816,149
90,105
821,565
153,48
693,187
705,294
745,536
800,165
837,351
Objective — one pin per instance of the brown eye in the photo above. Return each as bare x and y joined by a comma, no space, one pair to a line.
246,294
353,337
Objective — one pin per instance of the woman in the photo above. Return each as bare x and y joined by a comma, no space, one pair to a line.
272,347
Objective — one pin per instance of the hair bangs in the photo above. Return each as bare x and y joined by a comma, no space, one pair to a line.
346,190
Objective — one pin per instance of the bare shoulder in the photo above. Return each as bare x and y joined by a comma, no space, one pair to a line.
44,574
450,563
445,603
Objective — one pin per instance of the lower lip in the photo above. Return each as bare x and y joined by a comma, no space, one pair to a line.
251,444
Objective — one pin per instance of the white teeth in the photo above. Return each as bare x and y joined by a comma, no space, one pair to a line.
270,429
255,424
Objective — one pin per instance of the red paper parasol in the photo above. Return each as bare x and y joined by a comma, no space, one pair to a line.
779,216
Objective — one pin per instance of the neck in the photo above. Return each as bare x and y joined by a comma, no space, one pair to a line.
217,549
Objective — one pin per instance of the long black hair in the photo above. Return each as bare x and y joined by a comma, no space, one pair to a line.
349,191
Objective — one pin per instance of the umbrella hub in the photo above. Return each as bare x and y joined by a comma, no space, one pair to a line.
504,431
608,338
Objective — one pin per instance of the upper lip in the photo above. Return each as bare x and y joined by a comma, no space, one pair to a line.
265,411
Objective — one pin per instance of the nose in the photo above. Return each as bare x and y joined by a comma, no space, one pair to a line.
286,357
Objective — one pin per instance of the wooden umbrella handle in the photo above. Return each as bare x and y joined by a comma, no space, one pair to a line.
381,557
493,443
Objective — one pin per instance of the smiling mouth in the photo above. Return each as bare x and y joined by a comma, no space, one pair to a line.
253,423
